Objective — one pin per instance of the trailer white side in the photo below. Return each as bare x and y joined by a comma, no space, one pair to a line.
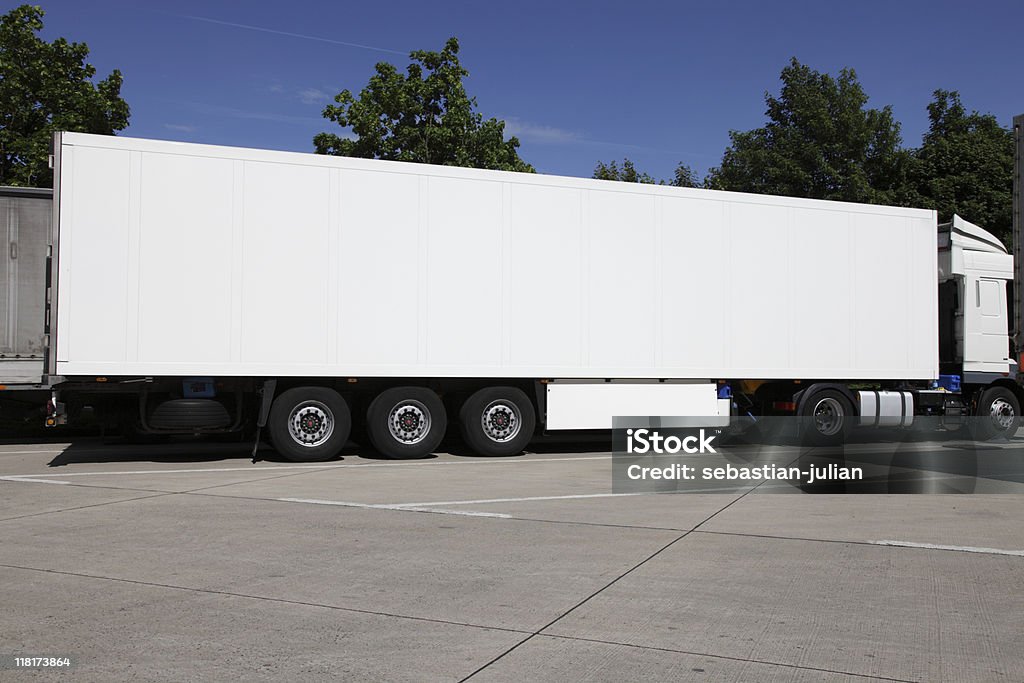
183,259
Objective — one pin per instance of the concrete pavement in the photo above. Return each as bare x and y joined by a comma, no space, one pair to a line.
185,561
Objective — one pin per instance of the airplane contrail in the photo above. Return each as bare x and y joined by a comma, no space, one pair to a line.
290,34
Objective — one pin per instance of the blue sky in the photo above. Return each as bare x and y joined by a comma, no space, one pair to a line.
578,82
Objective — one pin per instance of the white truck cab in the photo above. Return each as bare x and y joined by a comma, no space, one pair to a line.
975,274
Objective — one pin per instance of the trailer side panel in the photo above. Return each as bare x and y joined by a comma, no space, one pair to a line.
180,259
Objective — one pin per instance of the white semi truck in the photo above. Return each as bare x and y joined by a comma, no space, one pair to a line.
200,289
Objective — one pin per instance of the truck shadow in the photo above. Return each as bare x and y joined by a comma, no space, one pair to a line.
177,450
181,450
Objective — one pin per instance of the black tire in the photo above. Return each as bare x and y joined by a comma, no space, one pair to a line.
406,422
497,421
309,424
997,415
825,418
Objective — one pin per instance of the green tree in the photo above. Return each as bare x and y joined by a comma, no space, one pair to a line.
819,141
965,166
422,116
46,87
627,173
684,176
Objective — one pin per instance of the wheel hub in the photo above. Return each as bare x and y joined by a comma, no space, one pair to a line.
1002,414
501,421
310,424
409,422
828,416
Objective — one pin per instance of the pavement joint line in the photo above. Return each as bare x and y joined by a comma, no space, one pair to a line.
83,507
884,544
91,486
400,508
157,494
126,488
735,500
249,481
603,588
265,598
515,518
658,648
251,468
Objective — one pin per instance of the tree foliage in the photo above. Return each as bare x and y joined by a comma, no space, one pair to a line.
46,87
820,141
964,166
422,116
627,173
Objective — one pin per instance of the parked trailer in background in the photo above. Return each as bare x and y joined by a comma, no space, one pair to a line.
25,219
201,288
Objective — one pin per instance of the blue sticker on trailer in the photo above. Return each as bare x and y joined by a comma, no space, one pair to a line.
948,382
198,387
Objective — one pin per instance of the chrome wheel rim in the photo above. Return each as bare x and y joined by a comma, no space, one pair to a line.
501,421
310,424
828,416
1002,414
409,422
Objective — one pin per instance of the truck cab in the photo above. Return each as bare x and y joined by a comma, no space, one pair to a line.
975,273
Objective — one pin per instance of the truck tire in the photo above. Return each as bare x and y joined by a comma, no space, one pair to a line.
997,415
826,418
309,424
406,422
497,421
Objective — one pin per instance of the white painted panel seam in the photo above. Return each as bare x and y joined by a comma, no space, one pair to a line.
335,212
505,306
133,284
659,281
423,266
237,264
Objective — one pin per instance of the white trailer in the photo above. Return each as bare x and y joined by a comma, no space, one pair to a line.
199,288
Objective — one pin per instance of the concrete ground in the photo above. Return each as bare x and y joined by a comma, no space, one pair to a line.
186,561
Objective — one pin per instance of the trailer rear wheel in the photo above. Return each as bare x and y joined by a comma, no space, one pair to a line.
309,424
406,422
826,418
497,421
998,414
